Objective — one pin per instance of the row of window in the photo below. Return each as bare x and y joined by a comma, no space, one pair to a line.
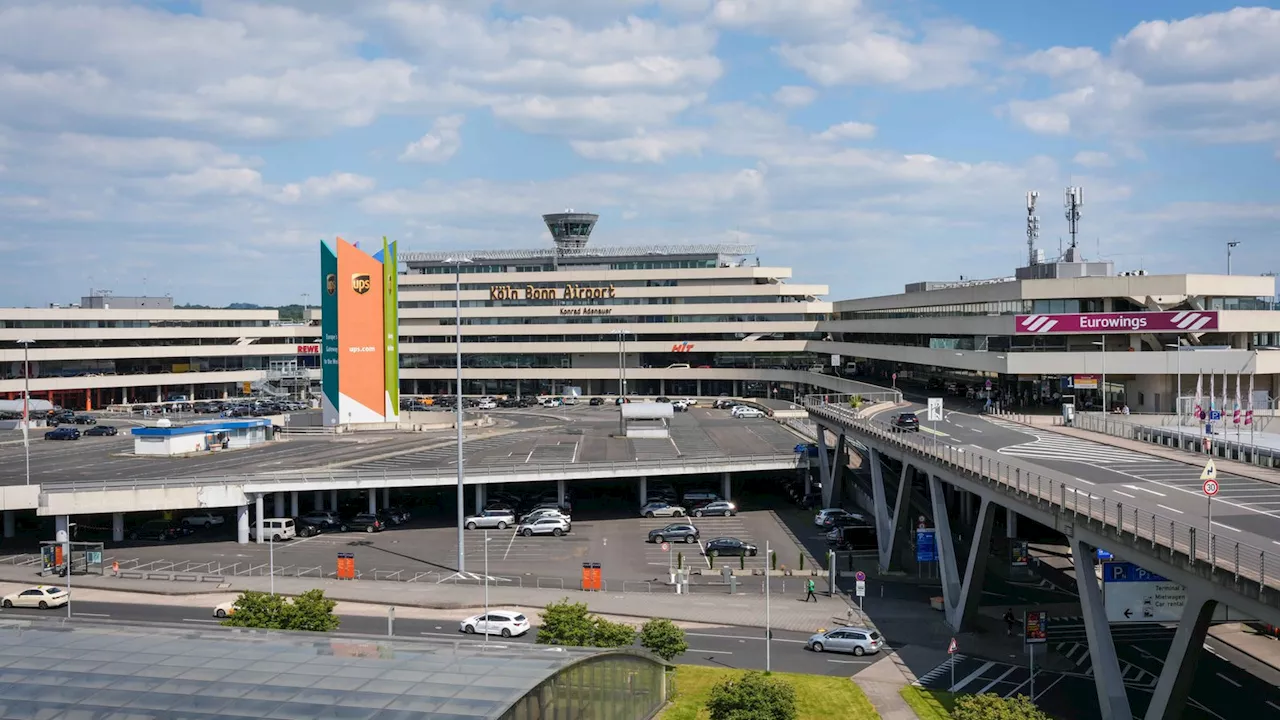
466,268
1003,307
610,337
130,324
406,324
714,300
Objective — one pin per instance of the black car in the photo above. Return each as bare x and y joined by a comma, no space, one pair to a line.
63,433
84,420
101,431
729,546
306,528
905,422
367,522
162,530
681,531
596,401
662,399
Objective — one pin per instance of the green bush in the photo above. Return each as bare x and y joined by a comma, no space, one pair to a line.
754,696
310,611
990,706
663,638
773,560
569,623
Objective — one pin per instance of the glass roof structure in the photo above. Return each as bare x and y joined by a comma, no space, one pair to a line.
51,670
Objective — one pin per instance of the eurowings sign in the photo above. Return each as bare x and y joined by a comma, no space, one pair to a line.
1123,322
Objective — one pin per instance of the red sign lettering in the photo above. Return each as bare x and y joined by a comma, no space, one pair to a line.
308,349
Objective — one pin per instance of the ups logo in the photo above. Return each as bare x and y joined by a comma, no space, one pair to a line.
331,283
361,283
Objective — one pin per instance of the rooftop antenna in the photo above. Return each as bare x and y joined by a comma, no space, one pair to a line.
1033,227
1073,202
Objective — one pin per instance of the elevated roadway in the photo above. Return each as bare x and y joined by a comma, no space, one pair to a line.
1098,499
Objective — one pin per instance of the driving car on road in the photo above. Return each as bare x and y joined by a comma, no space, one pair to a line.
820,519
101,431
506,623
41,596
905,422
745,411
63,433
494,518
661,509
856,640
222,610
673,532
596,401
556,526
729,546
717,507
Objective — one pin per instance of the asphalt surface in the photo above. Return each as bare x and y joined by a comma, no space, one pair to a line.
728,647
572,434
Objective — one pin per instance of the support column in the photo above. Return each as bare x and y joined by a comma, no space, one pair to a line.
61,528
9,523
1106,667
117,527
242,524
373,500
258,515
293,503
277,506
726,486
824,465
891,520
1169,700
961,592
318,502
662,386
698,389
1010,523
840,461
386,497
479,497
560,492
644,493
333,500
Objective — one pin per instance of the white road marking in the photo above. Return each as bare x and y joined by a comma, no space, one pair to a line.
741,637
85,614
1166,507
975,675
851,662
1215,522
1224,677
1131,497
993,683
194,620
1277,707
710,652
1146,490
1047,688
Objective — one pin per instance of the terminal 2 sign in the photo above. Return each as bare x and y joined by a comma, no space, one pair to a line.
1119,322
568,292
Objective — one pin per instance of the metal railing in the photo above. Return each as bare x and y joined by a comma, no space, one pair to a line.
477,473
1107,517
1190,439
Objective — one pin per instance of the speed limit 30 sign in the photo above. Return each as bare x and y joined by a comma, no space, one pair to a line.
666,547
1210,487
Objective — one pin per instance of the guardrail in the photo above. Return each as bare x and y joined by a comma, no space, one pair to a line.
1185,438
425,474
1220,553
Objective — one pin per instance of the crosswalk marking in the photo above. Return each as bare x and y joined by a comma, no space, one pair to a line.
1052,446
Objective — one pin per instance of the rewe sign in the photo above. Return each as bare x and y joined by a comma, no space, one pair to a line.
1123,322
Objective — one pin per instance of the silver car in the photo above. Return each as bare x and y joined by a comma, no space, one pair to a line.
500,519
545,526
661,509
859,641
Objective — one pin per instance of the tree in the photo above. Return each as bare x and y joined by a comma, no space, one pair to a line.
569,623
663,638
310,611
753,696
993,707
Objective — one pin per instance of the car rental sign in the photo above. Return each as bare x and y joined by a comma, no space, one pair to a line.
1120,322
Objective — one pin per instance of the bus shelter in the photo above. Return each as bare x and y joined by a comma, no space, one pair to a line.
82,558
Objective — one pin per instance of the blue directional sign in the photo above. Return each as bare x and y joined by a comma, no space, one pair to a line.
926,546
1104,555
1215,414
1118,572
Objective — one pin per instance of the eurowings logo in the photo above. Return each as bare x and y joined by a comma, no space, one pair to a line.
682,347
1038,324
1191,320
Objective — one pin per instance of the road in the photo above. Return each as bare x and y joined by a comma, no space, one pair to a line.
729,647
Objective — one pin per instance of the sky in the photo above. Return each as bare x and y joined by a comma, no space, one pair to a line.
203,149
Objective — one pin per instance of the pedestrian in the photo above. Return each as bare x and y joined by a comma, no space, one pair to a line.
810,596
1010,622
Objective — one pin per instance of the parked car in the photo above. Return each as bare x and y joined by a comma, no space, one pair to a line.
101,431
401,513
682,531
545,526
506,623
84,420
820,519
500,519
663,398
718,507
680,406
306,528
596,401
203,519
723,403
746,411
326,520
729,546
539,513
859,641
162,530
222,610
41,596
905,422
661,509
552,402
63,433
487,405
275,529
366,522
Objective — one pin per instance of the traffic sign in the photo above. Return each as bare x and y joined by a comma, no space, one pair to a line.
951,649
1210,473
987,385
1210,487
926,545
895,377
859,576
861,589
935,409
666,547
1215,415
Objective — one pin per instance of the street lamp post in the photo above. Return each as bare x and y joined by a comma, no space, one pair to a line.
1177,402
622,377
1230,245
486,587
26,405
1103,388
457,320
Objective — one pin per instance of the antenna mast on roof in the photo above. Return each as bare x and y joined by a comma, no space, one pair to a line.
1033,227
1073,202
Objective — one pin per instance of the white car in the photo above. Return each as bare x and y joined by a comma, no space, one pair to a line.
486,405
552,402
679,406
746,411
41,596
545,526
689,401
540,513
820,520
204,519
659,508
506,623
222,610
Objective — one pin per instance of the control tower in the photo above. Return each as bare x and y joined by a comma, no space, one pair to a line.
570,230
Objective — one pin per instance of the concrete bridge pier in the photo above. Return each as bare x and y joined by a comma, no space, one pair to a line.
892,518
318,501
1169,700
961,593
831,464
9,523
373,501
644,491
1108,681
259,514
726,486
117,527
293,503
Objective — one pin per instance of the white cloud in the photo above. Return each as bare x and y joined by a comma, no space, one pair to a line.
1093,159
795,95
439,144
142,155
643,147
210,181
576,115
333,185
848,131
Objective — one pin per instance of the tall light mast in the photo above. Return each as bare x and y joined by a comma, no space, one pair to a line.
1033,227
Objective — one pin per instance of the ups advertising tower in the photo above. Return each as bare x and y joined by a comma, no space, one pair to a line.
359,325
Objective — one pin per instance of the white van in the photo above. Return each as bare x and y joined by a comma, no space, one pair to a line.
277,529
